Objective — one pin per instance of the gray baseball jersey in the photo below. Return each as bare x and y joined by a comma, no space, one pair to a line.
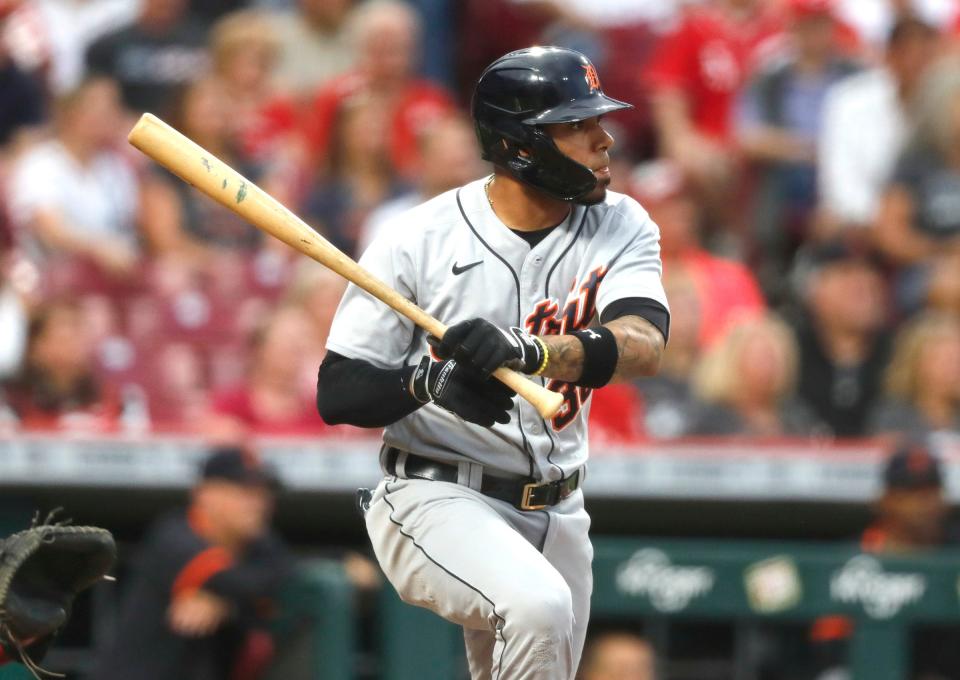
454,258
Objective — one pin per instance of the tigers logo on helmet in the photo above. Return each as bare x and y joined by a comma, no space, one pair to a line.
593,80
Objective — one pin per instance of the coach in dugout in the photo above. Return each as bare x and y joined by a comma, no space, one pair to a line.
200,590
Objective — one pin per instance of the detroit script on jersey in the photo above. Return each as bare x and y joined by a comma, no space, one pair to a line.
454,258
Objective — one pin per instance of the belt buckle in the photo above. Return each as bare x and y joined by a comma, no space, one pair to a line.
526,502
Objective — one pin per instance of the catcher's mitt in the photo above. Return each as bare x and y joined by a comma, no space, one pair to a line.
42,569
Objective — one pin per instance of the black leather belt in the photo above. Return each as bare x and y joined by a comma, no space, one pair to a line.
522,493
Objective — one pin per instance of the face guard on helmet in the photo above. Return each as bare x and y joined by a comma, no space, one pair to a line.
524,90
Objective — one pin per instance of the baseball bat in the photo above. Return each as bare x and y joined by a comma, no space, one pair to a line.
200,168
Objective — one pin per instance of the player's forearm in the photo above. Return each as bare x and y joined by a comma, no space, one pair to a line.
355,392
639,348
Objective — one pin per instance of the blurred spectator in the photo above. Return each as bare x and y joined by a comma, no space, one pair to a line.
56,387
448,158
668,403
278,396
162,51
199,598
874,19
176,218
911,512
616,416
726,289
316,45
918,226
50,38
923,380
317,291
617,655
746,382
13,320
74,196
843,344
361,176
695,77
865,124
386,34
778,125
23,104
245,49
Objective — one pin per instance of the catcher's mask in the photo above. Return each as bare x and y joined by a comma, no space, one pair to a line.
524,90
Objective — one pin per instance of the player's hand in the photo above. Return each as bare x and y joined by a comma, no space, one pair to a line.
197,614
480,345
455,388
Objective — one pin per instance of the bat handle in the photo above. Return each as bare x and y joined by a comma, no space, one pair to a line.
546,402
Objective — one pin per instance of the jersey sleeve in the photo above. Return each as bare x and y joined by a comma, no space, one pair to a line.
366,328
634,271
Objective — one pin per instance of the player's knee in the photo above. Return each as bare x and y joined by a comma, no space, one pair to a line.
546,613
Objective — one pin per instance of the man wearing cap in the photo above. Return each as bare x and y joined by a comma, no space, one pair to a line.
201,585
842,335
911,512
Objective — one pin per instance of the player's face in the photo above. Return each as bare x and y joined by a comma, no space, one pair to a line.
588,143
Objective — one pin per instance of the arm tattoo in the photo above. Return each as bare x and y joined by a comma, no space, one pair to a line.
639,345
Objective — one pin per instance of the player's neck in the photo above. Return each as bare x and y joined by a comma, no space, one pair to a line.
522,207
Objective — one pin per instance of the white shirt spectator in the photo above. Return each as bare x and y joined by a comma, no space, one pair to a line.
13,340
864,129
873,19
97,200
380,219
308,57
56,34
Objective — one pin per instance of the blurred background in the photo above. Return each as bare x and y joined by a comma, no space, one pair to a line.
776,504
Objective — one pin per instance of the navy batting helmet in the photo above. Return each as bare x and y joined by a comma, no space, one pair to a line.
529,88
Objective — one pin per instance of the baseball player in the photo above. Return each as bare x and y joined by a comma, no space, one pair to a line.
539,268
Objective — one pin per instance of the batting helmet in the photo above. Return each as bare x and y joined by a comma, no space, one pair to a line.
529,88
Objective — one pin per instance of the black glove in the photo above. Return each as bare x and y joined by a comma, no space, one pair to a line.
480,345
42,569
479,400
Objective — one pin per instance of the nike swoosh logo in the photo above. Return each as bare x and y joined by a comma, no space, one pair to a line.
457,271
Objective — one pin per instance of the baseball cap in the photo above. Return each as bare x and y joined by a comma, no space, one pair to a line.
912,466
239,465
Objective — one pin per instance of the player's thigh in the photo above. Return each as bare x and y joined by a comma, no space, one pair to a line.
443,547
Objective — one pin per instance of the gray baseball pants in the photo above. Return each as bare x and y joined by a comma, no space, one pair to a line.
518,582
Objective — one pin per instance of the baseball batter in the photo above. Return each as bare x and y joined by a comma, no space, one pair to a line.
538,267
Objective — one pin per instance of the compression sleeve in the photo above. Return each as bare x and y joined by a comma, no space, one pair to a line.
356,392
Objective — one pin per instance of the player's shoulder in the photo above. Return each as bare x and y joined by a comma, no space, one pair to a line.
621,213
427,220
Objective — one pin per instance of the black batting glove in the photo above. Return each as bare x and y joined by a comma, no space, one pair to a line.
480,345
455,388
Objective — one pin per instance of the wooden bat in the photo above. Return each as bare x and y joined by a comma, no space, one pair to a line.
197,166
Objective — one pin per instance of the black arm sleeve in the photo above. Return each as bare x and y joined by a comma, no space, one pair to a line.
651,310
356,392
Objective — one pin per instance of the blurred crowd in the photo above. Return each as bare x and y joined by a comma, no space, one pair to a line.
801,157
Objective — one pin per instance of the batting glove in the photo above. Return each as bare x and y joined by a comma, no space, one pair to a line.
479,344
455,388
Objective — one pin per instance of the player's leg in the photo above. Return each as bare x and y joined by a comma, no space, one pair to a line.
444,548
568,548
480,645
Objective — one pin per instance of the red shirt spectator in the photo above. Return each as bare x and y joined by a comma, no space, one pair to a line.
709,58
615,415
240,404
414,109
387,38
